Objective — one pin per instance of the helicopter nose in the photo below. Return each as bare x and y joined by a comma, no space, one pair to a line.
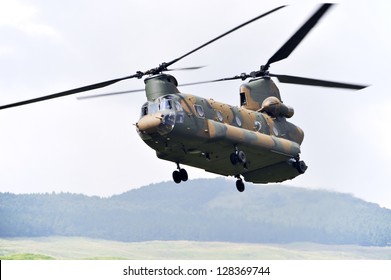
149,123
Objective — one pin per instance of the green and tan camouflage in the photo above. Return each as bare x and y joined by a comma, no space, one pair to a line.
250,141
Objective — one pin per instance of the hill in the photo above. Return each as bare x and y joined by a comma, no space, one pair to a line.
200,210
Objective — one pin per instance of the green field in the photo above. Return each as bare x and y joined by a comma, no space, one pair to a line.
73,248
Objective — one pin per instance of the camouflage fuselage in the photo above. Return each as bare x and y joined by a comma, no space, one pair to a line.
203,133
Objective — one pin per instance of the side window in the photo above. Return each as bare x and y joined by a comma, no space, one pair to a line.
180,116
178,106
219,116
238,120
258,126
243,100
275,131
199,110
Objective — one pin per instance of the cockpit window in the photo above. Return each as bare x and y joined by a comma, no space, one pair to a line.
158,105
166,104
144,109
178,106
149,108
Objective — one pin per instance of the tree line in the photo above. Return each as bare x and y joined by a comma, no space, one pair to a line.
200,210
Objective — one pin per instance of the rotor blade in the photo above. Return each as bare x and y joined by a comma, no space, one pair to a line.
67,92
315,82
210,81
185,68
222,35
295,40
108,94
140,90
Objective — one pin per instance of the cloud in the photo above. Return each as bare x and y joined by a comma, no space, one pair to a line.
24,18
5,50
377,117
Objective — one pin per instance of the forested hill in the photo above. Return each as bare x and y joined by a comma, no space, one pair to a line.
200,210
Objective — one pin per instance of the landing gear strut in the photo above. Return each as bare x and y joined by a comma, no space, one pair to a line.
240,184
179,175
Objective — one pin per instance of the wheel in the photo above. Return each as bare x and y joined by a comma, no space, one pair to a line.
234,158
301,166
241,157
183,175
240,185
176,176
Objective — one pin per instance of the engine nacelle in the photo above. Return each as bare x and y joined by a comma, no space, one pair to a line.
275,108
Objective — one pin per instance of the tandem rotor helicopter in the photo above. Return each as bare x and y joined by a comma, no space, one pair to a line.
253,141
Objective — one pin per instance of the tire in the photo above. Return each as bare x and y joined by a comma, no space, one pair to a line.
240,185
176,176
183,175
241,157
234,159
301,167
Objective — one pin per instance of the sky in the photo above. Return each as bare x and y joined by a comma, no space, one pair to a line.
92,147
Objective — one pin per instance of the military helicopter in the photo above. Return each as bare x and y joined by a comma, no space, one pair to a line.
253,141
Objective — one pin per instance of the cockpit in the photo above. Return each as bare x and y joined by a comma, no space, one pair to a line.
165,109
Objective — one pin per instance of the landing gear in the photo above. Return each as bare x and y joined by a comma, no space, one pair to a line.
180,175
240,184
238,157
300,166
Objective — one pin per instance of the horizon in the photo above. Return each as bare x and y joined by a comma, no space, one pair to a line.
252,186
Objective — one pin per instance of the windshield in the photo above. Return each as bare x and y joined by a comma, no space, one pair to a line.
158,105
165,104
149,108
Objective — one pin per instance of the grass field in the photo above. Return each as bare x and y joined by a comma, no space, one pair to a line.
74,248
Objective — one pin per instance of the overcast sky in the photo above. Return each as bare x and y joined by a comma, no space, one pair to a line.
92,147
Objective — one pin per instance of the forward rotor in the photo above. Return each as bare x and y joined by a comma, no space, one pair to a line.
139,74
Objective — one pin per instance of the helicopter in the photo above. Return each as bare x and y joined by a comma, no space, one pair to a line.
252,142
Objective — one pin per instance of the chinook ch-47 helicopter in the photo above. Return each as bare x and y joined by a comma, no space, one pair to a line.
253,141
